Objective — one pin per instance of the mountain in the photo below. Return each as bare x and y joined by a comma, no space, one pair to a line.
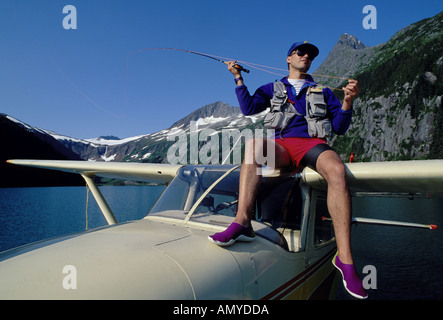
153,147
348,56
398,113
19,140
211,112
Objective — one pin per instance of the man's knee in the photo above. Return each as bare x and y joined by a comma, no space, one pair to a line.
331,167
338,172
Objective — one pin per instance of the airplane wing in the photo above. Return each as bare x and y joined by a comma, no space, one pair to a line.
422,177
152,172
410,177
416,176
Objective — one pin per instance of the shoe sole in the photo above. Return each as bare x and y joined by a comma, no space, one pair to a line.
232,241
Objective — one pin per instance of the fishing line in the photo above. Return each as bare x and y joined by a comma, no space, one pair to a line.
31,41
83,94
260,67
211,56
255,65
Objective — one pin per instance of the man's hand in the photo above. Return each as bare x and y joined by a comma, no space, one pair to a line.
351,90
232,69
236,72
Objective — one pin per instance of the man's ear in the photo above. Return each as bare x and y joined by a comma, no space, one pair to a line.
288,60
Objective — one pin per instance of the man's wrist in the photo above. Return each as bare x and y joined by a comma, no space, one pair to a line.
347,105
238,80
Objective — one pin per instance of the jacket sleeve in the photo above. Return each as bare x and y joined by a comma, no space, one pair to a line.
341,119
256,103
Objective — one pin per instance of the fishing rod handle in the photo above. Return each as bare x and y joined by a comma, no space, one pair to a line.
239,67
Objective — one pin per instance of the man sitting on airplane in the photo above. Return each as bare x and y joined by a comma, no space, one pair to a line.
295,146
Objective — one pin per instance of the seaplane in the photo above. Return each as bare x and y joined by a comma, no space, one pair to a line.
167,256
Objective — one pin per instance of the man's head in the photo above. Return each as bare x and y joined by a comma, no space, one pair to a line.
302,52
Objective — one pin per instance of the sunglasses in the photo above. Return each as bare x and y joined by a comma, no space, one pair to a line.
301,53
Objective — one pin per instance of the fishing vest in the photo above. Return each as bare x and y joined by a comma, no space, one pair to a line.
283,111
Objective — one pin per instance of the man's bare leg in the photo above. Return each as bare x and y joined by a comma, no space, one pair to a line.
250,180
332,169
248,188
330,166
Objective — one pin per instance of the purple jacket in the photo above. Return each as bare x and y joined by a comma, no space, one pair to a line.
298,126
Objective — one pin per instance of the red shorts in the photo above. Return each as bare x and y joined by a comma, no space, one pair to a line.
298,147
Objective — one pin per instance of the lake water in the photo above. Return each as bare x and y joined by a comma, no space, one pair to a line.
32,214
408,261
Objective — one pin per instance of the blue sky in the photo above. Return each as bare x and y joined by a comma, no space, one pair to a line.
95,80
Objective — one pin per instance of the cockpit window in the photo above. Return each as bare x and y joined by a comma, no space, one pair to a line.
190,184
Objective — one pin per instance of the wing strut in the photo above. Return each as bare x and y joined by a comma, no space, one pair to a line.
101,201
357,220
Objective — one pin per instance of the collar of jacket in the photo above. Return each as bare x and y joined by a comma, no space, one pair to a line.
309,83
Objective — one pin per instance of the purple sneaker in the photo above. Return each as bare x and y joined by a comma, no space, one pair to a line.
351,281
235,232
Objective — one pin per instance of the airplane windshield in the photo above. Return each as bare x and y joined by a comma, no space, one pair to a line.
189,186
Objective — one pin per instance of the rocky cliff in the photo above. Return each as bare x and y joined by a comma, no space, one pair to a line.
398,113
348,56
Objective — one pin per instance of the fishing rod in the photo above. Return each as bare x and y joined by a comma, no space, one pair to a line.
236,65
